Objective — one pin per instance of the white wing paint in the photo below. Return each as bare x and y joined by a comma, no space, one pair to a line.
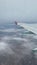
29,27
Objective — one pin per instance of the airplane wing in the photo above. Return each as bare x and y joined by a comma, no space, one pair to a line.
32,28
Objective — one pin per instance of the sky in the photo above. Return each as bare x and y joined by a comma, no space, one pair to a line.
21,10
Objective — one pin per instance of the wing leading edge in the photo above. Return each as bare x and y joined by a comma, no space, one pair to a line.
28,27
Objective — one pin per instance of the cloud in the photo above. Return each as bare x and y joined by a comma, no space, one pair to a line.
18,10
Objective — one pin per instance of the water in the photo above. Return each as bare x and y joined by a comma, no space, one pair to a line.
16,45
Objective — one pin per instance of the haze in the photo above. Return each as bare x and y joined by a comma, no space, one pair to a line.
21,10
